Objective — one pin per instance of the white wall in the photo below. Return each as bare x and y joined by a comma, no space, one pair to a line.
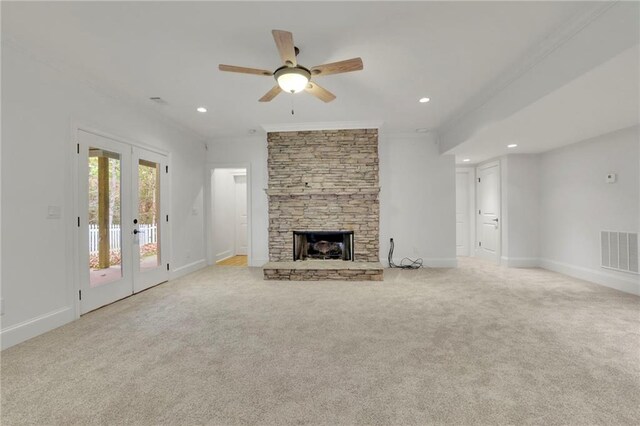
252,152
39,105
223,207
520,210
417,200
576,204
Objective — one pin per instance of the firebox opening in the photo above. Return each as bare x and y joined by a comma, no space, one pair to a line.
323,245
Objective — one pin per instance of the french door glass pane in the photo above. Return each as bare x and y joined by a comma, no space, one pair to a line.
105,238
149,214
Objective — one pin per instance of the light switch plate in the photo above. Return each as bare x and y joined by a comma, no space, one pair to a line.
53,212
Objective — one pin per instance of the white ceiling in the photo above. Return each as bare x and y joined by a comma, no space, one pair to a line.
446,51
600,101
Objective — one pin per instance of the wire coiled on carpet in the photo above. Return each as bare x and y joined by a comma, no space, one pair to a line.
412,264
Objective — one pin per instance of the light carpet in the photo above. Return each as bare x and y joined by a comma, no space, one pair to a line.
475,345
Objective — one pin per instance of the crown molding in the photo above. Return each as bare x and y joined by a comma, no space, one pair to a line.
532,57
99,87
330,125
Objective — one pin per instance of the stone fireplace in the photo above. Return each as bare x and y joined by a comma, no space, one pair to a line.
323,183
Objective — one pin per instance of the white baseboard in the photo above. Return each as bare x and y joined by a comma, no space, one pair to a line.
441,262
33,327
520,262
427,262
628,285
187,269
223,255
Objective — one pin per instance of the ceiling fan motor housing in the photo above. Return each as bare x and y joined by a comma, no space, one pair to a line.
292,79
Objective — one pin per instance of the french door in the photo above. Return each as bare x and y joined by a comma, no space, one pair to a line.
122,192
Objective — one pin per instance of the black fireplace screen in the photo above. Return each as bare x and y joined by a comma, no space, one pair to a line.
337,245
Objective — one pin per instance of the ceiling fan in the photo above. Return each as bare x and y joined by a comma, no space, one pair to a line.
293,77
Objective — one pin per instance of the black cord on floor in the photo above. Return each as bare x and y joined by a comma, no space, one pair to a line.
412,264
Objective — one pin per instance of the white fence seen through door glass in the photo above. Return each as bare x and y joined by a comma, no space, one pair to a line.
148,234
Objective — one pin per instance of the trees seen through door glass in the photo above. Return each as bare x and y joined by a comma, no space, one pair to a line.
149,214
105,237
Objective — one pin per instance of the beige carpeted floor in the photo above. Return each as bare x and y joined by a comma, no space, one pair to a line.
474,345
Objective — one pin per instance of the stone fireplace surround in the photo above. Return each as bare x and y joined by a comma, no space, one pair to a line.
323,181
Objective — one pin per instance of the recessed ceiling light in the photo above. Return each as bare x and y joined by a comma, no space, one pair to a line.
201,109
422,130
512,145
424,100
466,160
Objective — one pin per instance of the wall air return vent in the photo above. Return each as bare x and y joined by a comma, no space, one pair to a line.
619,251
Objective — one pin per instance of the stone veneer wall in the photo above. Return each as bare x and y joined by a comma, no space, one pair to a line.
324,181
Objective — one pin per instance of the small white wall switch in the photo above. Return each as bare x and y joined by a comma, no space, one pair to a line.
611,178
53,212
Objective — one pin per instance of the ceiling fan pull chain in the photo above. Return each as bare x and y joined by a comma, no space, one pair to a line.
292,111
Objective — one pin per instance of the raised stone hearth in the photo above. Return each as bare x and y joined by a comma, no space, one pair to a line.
324,181
319,270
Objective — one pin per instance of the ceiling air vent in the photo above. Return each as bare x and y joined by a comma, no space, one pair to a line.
619,251
158,100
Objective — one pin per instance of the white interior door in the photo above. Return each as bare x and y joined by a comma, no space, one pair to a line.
240,183
121,219
489,203
462,213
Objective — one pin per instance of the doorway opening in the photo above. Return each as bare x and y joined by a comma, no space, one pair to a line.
229,216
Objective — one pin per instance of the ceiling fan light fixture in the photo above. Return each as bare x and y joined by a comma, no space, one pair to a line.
292,79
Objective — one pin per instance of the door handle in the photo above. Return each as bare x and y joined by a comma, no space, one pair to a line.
135,232
495,220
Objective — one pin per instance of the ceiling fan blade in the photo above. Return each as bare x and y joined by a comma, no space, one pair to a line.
243,70
349,65
271,94
284,43
319,92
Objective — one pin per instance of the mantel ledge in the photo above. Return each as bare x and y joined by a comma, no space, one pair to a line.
292,192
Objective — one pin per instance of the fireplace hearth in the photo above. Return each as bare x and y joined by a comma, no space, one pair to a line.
323,245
